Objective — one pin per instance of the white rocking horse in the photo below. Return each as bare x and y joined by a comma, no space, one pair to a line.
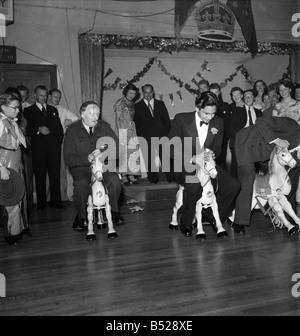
273,187
99,199
208,200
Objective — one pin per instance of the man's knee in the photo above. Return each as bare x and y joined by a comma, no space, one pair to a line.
112,180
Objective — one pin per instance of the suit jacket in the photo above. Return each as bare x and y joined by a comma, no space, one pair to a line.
239,120
78,144
253,143
35,118
184,129
148,126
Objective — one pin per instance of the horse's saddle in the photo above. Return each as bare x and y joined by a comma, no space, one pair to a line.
263,188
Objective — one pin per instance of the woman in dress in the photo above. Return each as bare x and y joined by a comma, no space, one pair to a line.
287,107
13,218
259,88
129,165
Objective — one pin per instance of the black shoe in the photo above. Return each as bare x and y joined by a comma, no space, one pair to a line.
237,228
60,206
185,230
41,208
117,219
78,224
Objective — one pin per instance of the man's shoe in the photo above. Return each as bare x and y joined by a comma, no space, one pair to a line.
78,224
237,228
185,230
117,219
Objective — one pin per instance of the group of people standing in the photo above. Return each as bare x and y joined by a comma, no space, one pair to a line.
264,118
30,143
147,119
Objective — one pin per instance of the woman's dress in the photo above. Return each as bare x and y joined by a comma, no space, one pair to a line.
129,163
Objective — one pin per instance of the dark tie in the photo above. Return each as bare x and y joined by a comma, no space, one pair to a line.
44,110
151,109
250,118
91,131
203,123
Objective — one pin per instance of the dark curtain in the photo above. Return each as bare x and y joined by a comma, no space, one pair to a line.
295,65
91,58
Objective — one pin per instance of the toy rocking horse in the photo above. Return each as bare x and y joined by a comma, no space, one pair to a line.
208,200
99,199
273,187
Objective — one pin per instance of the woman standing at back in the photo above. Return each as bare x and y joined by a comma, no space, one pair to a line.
129,165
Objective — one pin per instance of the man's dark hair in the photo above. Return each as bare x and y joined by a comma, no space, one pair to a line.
206,99
54,90
84,106
40,87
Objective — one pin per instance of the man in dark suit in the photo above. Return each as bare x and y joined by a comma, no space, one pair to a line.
46,133
245,117
84,137
223,112
152,121
197,131
255,144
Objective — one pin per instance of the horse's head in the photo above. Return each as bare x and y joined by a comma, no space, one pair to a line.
209,164
97,168
283,156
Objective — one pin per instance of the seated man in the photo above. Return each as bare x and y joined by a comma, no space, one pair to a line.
254,145
80,141
195,132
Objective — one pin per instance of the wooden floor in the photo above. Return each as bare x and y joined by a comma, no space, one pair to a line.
149,270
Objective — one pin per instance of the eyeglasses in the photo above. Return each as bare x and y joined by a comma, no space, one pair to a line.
14,107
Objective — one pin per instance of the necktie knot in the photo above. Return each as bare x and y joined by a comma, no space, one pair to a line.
44,110
203,123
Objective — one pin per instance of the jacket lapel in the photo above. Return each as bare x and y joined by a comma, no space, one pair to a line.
210,136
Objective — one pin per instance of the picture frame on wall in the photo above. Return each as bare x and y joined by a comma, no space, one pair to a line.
7,9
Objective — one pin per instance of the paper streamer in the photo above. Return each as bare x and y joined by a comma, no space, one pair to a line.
171,98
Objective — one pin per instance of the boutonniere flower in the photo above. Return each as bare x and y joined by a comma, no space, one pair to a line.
214,130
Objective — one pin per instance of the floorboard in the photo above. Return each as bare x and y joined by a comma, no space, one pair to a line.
149,270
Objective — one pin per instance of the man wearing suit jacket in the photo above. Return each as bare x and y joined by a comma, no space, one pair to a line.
245,117
255,144
151,120
198,131
46,133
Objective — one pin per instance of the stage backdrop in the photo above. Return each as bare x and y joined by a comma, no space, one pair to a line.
215,67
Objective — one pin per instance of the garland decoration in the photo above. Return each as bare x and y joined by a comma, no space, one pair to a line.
172,77
244,72
170,45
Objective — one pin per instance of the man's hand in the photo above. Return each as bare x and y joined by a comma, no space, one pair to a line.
207,153
44,130
4,173
95,153
282,143
204,156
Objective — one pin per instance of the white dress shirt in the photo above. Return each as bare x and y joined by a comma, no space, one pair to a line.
253,115
202,131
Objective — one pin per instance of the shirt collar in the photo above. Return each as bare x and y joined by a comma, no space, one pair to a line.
40,106
151,102
198,119
87,127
